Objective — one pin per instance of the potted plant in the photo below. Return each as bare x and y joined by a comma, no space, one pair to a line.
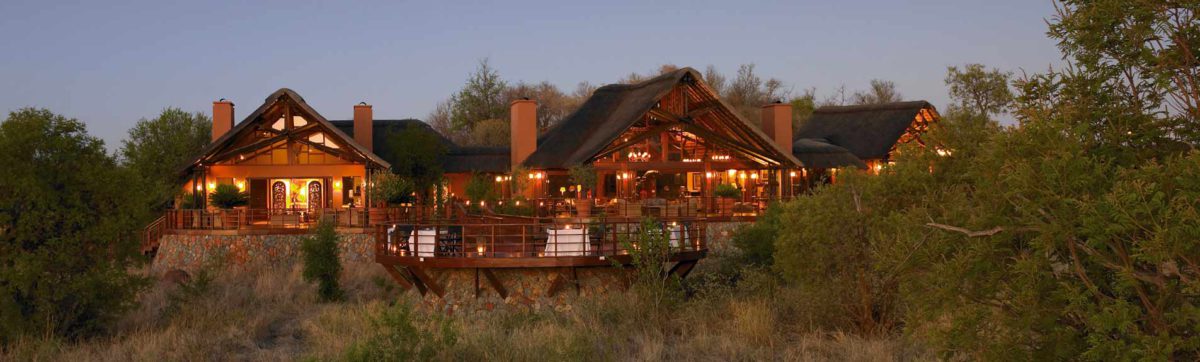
387,188
227,197
727,193
585,177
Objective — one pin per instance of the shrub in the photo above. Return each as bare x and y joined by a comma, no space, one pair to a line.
480,187
757,240
584,176
321,262
649,252
391,189
227,196
727,191
398,338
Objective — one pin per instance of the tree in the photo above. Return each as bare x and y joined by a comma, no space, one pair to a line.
439,119
552,104
881,91
157,148
67,229
978,90
391,189
482,97
416,155
321,263
492,133
228,196
747,93
803,107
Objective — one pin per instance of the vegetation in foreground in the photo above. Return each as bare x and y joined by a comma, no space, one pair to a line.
272,314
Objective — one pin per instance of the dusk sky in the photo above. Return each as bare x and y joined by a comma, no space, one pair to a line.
110,64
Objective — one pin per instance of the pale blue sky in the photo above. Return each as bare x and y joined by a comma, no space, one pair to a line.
110,63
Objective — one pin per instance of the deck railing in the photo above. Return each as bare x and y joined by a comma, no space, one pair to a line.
688,207
242,218
531,238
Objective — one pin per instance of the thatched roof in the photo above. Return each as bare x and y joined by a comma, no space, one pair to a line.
477,159
457,158
866,131
818,153
613,108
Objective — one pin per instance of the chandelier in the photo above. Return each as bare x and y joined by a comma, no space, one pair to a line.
720,157
639,156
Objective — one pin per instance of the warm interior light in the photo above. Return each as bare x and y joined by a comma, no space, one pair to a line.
479,249
732,172
792,174
211,186
337,185
754,175
199,187
241,185
499,179
708,175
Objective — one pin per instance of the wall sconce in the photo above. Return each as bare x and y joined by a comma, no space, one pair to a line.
708,175
732,172
241,185
499,179
792,174
199,187
754,175
212,186
337,185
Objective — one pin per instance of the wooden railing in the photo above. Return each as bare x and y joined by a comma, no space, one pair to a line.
152,233
241,218
532,238
689,207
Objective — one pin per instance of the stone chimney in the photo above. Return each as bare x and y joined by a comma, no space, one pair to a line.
777,124
523,123
364,125
222,118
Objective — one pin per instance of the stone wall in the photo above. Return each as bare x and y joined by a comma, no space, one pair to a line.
190,252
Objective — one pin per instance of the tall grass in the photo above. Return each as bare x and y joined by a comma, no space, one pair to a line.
272,314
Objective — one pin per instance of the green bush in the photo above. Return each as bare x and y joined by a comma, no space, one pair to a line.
480,187
227,196
727,191
584,176
757,240
392,189
397,338
321,263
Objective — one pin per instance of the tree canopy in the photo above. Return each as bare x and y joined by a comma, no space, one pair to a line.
157,148
68,217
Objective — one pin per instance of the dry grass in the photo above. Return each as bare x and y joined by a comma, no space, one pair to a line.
271,314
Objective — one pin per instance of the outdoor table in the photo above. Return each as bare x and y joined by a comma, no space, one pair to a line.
567,242
425,241
677,233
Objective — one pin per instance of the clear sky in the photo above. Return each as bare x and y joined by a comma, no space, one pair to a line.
109,63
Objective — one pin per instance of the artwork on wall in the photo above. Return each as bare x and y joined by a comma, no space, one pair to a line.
694,180
278,195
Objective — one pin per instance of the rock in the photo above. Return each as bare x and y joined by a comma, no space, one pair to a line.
176,276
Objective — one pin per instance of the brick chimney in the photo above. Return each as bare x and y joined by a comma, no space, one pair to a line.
777,124
364,125
222,118
523,123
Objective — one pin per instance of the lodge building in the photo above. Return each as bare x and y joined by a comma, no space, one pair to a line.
658,148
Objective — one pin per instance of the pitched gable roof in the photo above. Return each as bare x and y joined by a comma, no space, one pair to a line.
614,108
309,114
866,131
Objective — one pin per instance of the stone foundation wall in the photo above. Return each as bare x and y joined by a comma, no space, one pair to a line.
190,252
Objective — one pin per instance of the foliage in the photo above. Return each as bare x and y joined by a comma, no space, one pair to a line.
757,240
727,191
480,187
979,91
583,175
157,148
392,189
416,155
518,206
649,251
66,240
881,91
227,196
482,97
491,133
520,179
321,263
400,335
